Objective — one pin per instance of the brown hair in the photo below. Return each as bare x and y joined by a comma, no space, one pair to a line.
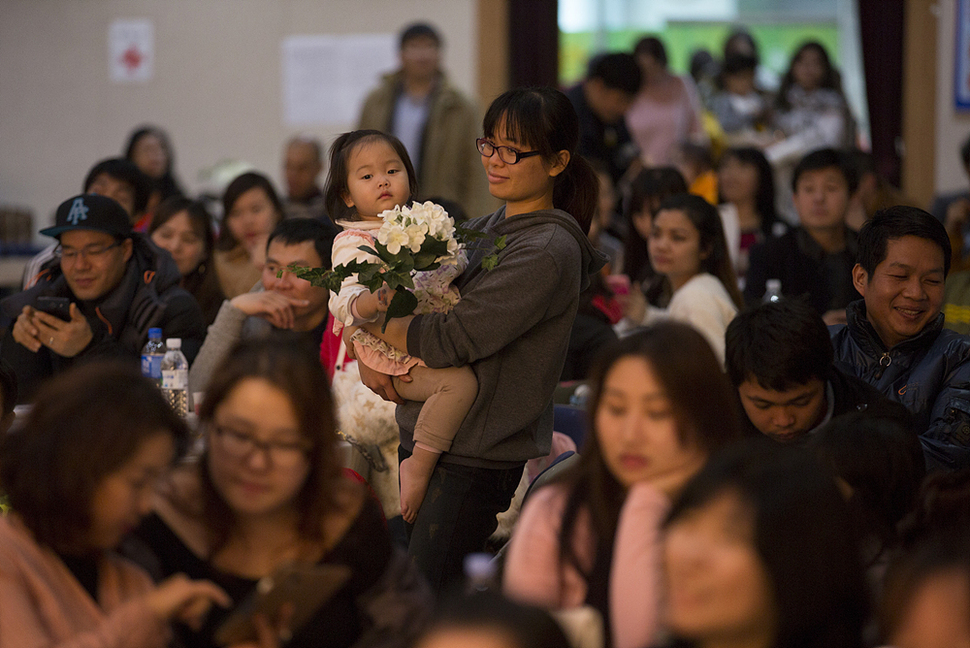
291,366
86,423
685,366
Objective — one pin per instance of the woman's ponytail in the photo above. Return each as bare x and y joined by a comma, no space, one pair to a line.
576,191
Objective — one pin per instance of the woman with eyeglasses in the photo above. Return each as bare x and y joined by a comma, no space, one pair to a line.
512,324
268,491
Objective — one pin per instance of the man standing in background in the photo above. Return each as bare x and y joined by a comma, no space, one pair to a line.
436,122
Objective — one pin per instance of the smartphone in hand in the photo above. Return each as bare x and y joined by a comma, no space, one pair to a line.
59,307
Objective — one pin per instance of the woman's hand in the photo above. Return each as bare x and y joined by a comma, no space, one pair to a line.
182,599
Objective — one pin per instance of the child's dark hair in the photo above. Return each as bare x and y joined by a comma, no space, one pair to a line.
826,158
778,345
543,119
340,150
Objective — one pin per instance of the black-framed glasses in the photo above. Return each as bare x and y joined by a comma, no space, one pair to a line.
87,252
240,445
507,154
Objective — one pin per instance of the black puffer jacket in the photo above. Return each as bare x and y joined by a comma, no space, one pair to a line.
147,296
929,374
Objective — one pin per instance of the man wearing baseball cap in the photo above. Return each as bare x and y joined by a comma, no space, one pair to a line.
118,284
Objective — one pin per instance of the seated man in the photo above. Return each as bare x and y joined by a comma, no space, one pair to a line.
815,258
779,358
116,178
118,284
895,339
284,302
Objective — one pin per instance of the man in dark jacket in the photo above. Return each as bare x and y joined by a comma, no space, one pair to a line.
894,338
779,358
116,284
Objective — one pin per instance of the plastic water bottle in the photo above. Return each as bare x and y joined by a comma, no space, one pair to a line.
772,291
151,356
480,572
175,377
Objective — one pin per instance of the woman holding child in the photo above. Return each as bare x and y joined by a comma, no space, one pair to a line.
512,324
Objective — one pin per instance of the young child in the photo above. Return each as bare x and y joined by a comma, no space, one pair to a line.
370,172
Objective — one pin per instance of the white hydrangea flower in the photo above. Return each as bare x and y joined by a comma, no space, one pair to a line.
393,237
416,234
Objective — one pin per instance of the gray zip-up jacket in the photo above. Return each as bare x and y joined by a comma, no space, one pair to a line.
512,326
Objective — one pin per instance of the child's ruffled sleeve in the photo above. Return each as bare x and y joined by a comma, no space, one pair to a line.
346,249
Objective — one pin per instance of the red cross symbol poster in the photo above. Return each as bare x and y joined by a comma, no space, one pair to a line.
131,50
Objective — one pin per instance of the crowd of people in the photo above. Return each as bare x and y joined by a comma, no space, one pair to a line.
775,448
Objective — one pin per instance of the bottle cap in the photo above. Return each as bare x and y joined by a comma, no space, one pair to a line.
154,333
174,343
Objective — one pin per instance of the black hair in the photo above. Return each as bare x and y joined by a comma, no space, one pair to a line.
617,70
894,223
702,64
765,198
705,218
167,186
340,151
86,423
419,30
684,365
826,158
736,63
124,171
881,460
653,47
544,119
778,345
526,625
293,231
740,35
831,79
801,532
648,189
240,185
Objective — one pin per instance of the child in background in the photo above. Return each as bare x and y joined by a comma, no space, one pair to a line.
370,172
697,166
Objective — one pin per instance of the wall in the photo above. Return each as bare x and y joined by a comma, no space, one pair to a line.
952,128
216,87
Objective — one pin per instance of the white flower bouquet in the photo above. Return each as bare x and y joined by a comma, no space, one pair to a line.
419,238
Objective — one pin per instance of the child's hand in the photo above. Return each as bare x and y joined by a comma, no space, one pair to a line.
384,296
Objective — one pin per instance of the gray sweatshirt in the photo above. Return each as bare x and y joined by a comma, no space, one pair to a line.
512,326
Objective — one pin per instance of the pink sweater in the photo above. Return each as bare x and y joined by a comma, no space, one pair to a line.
43,605
534,573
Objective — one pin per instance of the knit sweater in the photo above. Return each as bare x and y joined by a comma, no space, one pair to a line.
512,326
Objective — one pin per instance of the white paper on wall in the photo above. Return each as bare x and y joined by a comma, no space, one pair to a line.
131,50
325,78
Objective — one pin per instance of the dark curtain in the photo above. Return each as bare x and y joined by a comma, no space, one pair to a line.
881,23
533,42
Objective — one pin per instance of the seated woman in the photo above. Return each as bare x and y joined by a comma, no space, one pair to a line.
79,475
650,433
184,228
759,551
268,490
687,247
250,210
747,207
150,150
